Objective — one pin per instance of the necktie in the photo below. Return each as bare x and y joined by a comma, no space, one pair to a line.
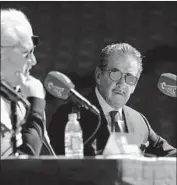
114,123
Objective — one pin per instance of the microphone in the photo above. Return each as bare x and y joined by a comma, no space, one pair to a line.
167,84
60,86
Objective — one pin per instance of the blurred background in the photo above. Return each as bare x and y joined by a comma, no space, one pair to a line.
72,35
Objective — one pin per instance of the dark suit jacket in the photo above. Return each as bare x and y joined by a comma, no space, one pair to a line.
135,122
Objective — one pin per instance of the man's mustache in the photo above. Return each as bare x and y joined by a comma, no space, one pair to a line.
119,91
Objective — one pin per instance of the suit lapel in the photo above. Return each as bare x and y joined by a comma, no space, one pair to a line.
128,120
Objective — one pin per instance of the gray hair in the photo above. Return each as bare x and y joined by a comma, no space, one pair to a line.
120,49
14,25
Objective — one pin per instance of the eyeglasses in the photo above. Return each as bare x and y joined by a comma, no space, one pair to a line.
35,40
116,75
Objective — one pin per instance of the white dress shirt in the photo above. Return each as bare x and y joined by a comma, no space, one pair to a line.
107,109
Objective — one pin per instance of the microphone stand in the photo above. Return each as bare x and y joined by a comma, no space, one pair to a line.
14,127
10,94
76,109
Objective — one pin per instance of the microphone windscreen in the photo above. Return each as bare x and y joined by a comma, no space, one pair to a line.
167,84
58,84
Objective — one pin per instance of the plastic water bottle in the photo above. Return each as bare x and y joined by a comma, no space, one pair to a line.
73,138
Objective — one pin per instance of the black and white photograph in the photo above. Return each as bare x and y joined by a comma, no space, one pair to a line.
88,92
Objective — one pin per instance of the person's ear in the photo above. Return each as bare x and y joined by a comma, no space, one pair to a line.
132,89
97,75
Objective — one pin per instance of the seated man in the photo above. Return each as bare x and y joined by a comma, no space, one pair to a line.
17,58
116,79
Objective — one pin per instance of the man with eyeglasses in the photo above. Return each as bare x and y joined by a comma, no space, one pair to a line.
116,78
22,95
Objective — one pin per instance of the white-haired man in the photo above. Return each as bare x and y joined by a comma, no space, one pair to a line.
17,58
116,78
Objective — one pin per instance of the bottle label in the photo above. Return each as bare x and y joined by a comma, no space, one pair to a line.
76,142
73,144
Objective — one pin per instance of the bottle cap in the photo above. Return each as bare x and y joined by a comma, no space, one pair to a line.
72,116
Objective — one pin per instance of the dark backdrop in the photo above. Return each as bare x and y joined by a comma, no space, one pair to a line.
73,33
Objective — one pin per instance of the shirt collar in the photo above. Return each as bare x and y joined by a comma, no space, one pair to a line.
105,106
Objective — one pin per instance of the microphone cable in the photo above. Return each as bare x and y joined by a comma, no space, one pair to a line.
98,126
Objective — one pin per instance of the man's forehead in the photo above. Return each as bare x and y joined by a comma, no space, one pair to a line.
127,63
122,59
21,35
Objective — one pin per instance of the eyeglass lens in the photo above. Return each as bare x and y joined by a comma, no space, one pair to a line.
35,40
117,75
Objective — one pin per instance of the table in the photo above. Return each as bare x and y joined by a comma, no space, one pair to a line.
124,170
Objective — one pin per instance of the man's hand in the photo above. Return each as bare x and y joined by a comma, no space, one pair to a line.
31,87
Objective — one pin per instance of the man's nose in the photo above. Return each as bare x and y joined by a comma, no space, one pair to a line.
121,80
32,60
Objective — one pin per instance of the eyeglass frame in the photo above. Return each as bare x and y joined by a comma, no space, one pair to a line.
125,75
35,40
